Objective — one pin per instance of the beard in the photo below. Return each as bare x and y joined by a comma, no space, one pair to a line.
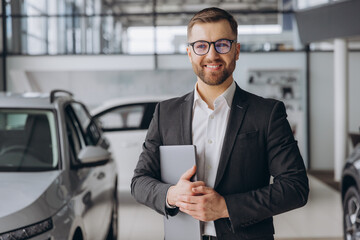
215,78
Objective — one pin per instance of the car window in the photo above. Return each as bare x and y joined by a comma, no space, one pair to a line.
74,136
28,140
74,128
89,128
81,114
126,117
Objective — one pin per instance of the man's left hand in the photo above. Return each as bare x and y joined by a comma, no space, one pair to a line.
207,205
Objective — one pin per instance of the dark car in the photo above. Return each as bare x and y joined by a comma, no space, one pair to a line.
350,191
57,178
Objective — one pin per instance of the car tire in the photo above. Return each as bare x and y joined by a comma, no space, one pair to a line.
113,228
351,216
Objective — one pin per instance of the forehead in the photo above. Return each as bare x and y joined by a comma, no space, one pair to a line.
211,31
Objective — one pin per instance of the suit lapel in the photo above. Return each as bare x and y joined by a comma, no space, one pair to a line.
237,113
186,118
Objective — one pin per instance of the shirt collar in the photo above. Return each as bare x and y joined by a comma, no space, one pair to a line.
196,95
228,95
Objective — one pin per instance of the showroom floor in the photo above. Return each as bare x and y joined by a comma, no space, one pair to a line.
320,219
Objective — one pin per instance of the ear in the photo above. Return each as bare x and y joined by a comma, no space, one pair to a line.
237,51
188,50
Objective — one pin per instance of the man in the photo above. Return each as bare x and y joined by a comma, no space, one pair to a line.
241,141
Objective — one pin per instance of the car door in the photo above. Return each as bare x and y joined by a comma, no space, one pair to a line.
95,182
125,126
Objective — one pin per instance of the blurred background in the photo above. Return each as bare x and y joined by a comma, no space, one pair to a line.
303,52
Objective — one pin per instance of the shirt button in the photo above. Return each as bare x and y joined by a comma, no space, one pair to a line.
211,116
210,141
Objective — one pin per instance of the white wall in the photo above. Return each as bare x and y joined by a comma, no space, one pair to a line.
322,106
321,111
272,60
354,92
95,87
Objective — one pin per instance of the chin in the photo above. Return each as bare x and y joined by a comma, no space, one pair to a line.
214,82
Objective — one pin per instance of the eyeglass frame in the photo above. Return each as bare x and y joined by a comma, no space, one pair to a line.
231,42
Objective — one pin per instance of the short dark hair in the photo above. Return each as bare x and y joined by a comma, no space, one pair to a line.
213,14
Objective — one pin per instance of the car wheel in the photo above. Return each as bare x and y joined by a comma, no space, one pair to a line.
113,229
352,214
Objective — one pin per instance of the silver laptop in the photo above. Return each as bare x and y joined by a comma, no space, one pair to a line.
174,161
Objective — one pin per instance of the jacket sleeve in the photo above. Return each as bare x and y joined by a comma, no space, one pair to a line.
146,185
289,189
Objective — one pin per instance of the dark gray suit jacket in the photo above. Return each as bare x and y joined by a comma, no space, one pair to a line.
258,144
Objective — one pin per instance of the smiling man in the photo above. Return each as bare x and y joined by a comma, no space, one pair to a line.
241,141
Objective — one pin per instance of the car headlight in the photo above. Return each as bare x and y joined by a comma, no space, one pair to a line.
28,231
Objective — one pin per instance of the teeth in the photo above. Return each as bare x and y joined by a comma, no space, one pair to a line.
213,66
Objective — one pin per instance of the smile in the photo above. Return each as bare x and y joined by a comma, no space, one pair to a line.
213,66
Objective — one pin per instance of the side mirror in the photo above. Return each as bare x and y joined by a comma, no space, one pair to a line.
93,156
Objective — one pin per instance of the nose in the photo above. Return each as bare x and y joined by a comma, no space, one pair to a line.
212,52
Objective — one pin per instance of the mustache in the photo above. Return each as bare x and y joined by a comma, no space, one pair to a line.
213,61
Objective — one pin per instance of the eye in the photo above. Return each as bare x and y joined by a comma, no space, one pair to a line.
201,45
222,44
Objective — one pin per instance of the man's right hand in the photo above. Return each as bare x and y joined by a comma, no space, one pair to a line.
183,187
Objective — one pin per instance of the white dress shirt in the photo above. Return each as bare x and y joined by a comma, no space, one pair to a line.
208,131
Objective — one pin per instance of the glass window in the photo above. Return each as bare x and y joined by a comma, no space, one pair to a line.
35,6
39,27
88,126
171,39
76,129
140,40
311,3
28,140
81,114
112,119
74,136
127,117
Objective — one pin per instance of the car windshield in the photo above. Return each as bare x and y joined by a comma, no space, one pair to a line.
28,140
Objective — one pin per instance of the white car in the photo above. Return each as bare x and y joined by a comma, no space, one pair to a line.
125,122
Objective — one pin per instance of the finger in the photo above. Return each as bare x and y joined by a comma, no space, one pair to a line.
189,173
202,190
198,183
191,213
186,206
187,199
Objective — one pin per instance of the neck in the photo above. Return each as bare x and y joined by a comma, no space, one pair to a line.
209,93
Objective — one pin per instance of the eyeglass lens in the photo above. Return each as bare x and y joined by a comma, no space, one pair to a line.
221,46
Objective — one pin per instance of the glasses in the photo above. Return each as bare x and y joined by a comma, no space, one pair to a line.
222,46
